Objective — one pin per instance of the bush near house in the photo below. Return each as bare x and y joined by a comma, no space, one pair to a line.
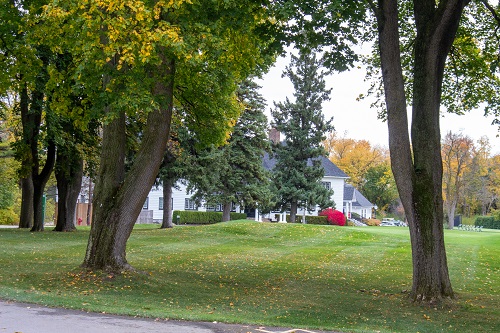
488,222
334,216
372,222
310,219
186,217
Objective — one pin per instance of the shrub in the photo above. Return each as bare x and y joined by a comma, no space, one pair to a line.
310,219
488,222
189,217
372,222
334,216
8,217
322,220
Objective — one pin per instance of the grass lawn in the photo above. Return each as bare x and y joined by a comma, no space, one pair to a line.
318,277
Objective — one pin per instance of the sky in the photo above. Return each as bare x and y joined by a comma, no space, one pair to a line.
357,120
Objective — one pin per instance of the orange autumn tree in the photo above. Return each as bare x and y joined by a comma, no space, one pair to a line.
456,151
354,157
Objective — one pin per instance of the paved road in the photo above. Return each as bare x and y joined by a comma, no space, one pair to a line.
30,318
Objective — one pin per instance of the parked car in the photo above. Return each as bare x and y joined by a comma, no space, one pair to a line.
388,224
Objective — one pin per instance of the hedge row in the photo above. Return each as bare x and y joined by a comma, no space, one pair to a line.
487,222
194,217
310,219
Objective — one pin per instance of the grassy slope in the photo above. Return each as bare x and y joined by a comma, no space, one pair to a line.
350,279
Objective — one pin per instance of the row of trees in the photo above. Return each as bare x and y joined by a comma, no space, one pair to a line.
127,64
471,182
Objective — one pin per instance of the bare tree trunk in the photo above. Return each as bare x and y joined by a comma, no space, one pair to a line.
450,211
118,200
26,218
419,180
226,212
69,174
39,182
167,203
89,206
293,211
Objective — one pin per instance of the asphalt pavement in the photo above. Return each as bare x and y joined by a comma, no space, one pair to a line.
31,318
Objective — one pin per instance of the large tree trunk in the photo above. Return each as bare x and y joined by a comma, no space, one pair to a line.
451,215
168,183
69,172
118,200
39,182
26,218
226,212
419,180
89,206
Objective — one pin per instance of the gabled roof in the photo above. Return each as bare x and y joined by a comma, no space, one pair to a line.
358,199
331,170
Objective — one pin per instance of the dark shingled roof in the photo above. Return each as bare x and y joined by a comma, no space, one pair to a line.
331,170
352,194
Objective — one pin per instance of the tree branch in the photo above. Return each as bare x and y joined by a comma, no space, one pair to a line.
492,10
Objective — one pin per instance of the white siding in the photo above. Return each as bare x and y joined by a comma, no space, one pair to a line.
180,195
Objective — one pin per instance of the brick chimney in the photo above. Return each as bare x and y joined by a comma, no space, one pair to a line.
274,136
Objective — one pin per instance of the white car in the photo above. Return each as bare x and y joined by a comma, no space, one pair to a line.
388,224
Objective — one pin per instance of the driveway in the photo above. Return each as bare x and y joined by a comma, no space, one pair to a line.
30,318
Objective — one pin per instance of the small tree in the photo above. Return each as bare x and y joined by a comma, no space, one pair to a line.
456,153
298,169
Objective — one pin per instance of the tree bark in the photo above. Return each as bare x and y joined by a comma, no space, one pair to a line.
69,173
293,211
89,206
226,212
419,180
26,218
39,182
451,214
168,183
118,200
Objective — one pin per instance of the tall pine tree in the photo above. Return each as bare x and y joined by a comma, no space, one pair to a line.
234,173
298,169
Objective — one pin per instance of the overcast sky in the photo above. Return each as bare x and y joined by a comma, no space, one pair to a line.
358,119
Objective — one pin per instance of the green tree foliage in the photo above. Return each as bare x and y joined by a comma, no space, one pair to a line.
298,169
233,173
9,191
379,186
133,60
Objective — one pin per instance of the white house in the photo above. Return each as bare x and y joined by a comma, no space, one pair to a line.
344,196
152,211
334,179
355,202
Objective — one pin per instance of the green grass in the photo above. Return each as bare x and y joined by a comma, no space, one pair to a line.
318,277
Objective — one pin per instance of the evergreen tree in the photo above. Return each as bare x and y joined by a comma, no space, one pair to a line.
298,169
234,173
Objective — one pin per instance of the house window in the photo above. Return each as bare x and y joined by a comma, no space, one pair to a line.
327,185
146,204
189,204
160,203
218,208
